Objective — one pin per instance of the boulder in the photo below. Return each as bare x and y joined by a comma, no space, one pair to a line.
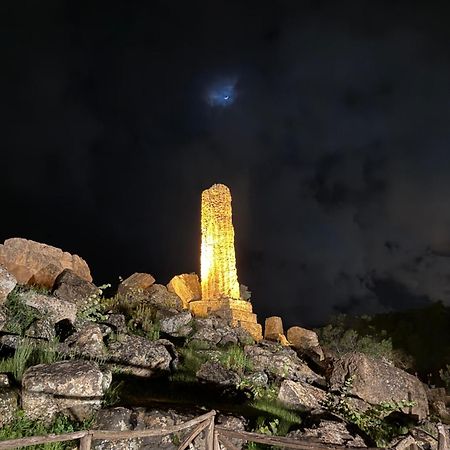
214,372
159,297
8,405
186,286
116,419
179,325
34,263
300,395
375,381
75,387
88,341
135,286
53,308
141,356
280,362
329,432
41,329
273,328
72,288
305,342
7,284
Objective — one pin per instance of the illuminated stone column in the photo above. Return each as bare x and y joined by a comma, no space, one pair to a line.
218,259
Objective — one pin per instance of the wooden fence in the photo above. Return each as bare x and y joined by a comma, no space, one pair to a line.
213,436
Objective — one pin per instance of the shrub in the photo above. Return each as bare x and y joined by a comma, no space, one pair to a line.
235,358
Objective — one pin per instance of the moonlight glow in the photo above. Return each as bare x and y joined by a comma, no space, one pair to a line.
222,93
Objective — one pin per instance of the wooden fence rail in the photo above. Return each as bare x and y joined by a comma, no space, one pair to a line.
213,436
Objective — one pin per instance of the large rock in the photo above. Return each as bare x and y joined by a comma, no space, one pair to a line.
34,263
375,381
186,286
8,405
141,356
273,328
305,342
70,287
280,362
7,284
75,387
53,308
300,395
135,286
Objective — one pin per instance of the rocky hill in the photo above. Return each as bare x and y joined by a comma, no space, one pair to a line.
140,359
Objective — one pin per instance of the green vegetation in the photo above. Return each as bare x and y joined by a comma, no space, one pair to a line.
111,397
234,358
29,353
374,422
22,427
190,362
95,308
20,316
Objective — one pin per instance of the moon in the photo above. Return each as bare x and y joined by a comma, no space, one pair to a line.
222,92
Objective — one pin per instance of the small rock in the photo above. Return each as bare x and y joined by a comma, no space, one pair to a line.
72,288
8,405
160,297
186,286
4,380
179,325
135,286
305,341
88,341
7,284
214,372
42,329
273,327
300,395
35,263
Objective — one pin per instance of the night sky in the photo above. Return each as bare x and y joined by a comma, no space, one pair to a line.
328,120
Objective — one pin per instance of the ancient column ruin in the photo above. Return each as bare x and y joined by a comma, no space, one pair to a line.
219,282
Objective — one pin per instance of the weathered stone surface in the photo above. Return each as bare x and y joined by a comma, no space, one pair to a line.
7,284
214,372
117,322
135,286
153,356
179,325
88,341
42,329
65,386
8,405
116,419
4,380
35,263
273,327
375,381
53,308
305,341
160,297
72,288
330,433
232,423
300,395
281,362
3,319
186,286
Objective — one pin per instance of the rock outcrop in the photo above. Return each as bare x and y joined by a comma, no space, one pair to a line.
300,395
375,381
39,264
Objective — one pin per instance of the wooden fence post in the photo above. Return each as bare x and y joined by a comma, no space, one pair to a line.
86,441
442,437
209,435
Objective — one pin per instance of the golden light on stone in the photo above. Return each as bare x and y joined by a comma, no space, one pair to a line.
218,260
219,281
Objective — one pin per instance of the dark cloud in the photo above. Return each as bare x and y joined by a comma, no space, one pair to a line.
335,147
